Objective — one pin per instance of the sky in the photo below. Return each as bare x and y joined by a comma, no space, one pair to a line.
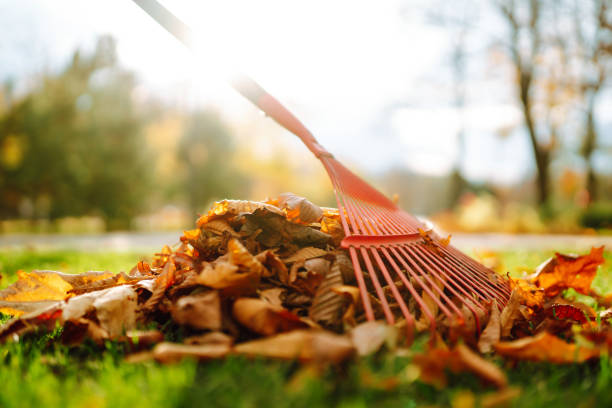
370,79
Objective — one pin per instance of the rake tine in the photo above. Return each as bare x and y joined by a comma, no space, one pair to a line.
438,268
377,287
411,289
403,259
363,291
453,270
394,290
461,256
500,293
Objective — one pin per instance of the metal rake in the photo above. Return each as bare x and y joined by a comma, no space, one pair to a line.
383,241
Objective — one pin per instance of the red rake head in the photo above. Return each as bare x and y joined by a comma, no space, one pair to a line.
387,243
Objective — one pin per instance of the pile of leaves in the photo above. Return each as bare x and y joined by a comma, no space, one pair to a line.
270,279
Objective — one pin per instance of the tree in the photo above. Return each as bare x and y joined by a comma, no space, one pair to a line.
73,144
593,50
206,153
524,46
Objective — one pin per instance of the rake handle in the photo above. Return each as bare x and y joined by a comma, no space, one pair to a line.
244,84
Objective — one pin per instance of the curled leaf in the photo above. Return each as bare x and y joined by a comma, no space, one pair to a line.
303,345
545,347
566,271
264,318
201,311
298,209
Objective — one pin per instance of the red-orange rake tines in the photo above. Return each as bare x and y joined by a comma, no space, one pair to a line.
387,246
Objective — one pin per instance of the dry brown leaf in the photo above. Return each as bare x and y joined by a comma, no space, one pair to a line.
210,338
40,319
201,311
327,305
510,313
114,308
303,345
239,275
333,227
173,352
273,296
434,362
298,209
263,318
274,266
566,271
546,347
220,227
304,254
44,286
309,283
491,334
530,295
353,296
233,208
431,303
369,337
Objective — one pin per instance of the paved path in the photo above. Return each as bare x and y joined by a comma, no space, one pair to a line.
139,241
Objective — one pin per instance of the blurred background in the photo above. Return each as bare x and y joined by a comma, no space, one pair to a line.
483,115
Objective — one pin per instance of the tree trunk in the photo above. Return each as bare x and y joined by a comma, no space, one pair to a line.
540,155
588,146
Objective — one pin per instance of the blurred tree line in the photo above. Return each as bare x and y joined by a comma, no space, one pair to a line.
555,58
75,145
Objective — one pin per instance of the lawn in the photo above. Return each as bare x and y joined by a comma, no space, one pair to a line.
37,372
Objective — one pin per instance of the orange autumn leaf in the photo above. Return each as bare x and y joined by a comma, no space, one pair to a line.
565,271
434,363
298,209
545,347
234,207
44,286
304,345
264,318
528,293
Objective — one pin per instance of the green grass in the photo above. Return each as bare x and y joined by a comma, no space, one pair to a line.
39,372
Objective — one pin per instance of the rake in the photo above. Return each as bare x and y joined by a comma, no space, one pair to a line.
391,251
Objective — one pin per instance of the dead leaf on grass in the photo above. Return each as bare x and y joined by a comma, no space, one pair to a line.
200,311
545,347
303,345
264,318
567,271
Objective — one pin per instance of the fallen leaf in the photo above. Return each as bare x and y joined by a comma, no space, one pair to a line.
44,286
233,208
210,338
298,209
369,337
274,230
303,345
274,266
353,296
239,275
201,311
114,308
510,313
220,227
545,347
566,271
492,333
273,296
434,362
173,352
327,305
264,318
